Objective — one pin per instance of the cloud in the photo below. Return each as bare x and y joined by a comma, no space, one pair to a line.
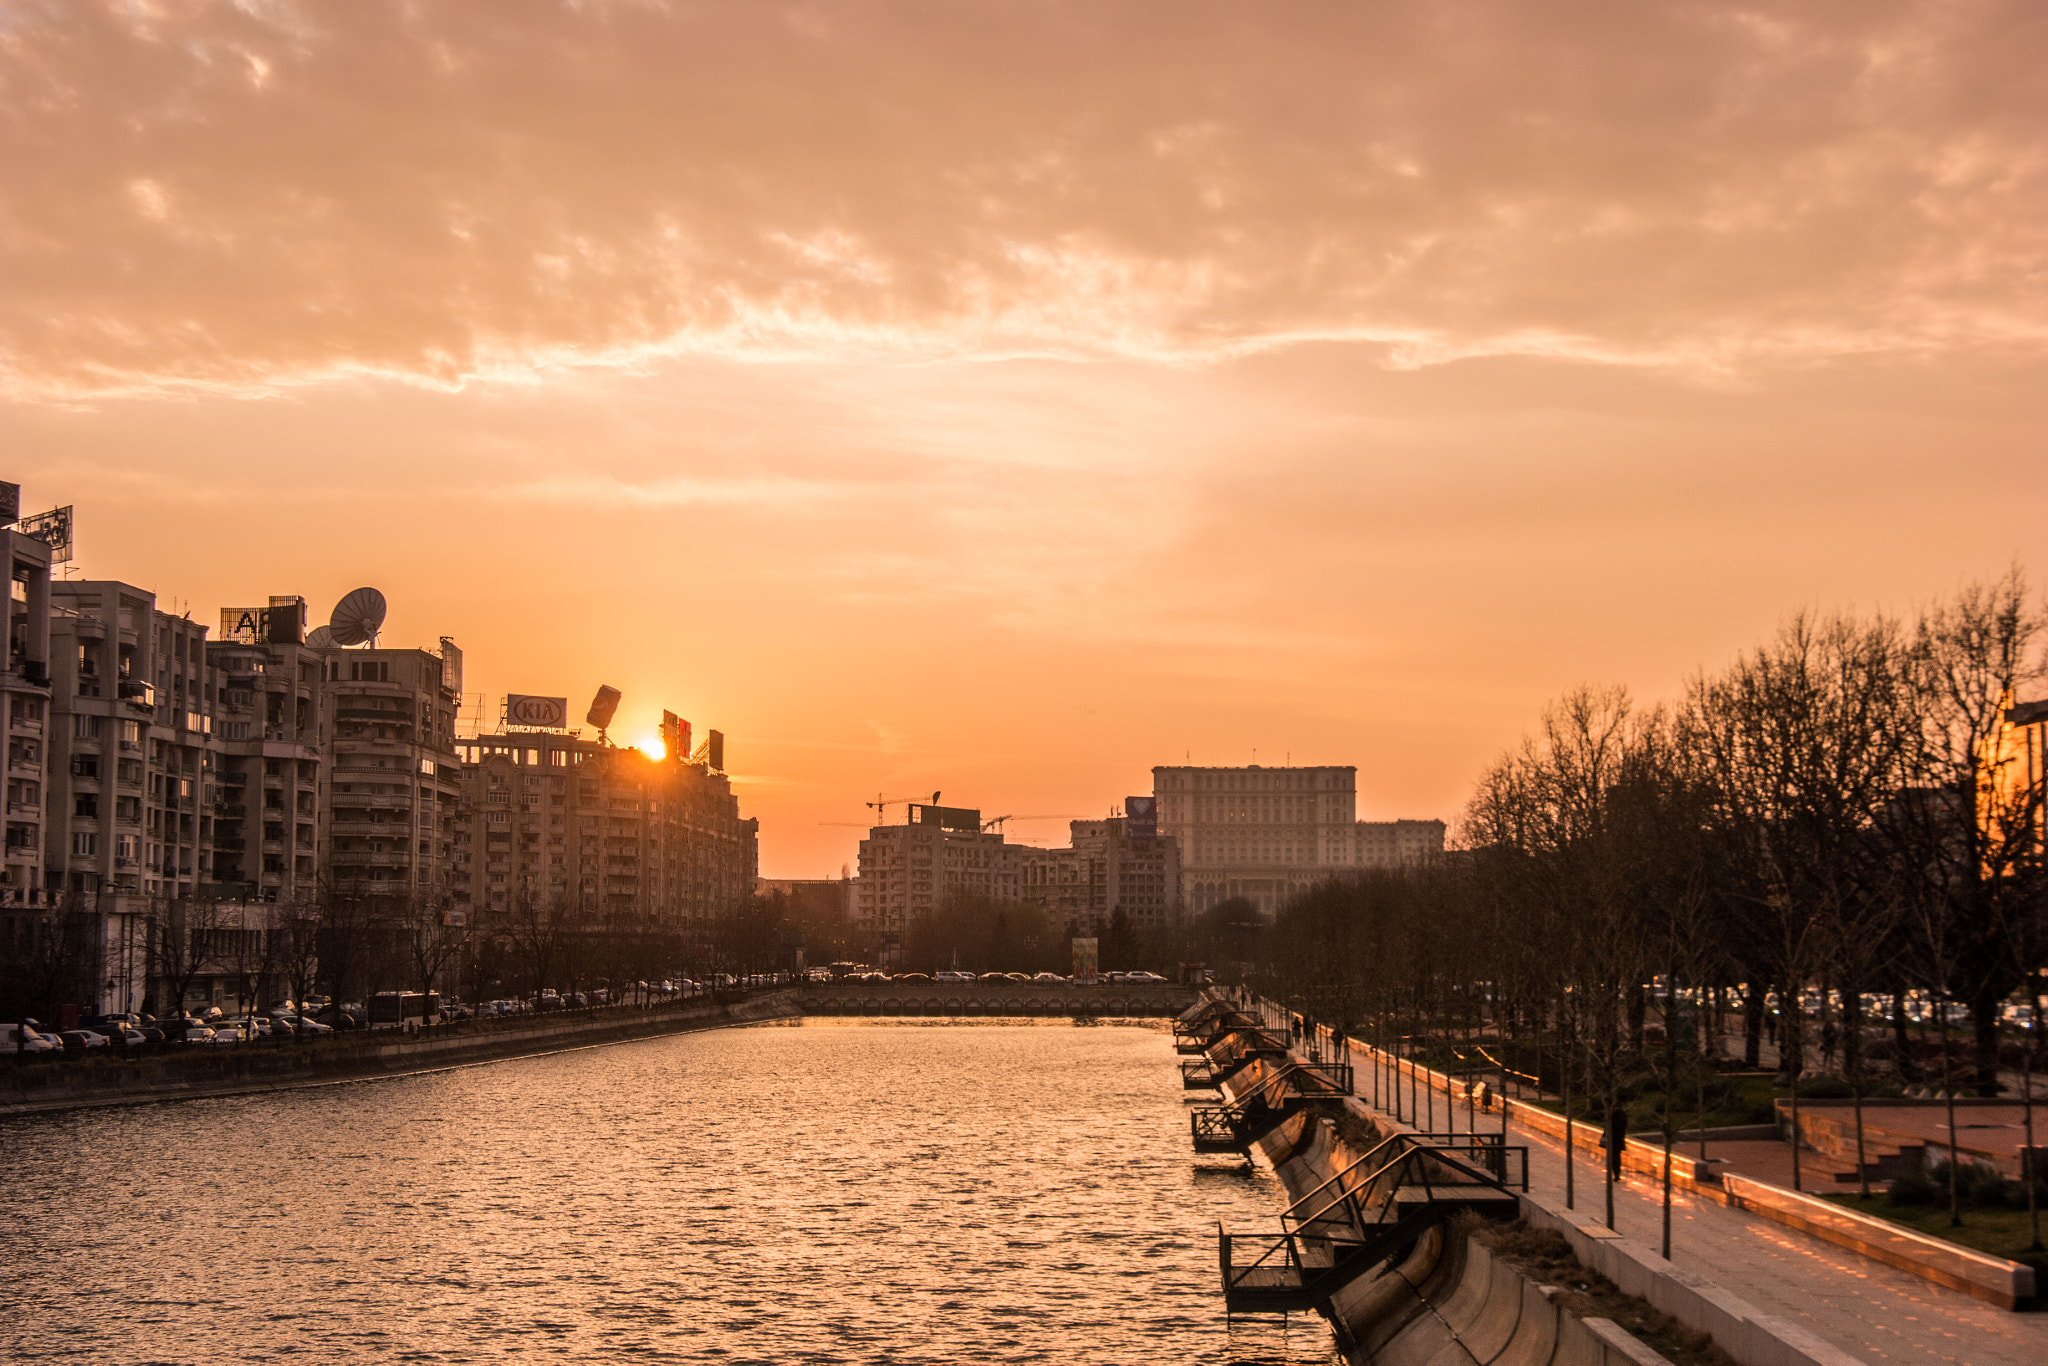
222,195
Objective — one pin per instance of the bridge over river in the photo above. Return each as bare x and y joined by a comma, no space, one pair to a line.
994,998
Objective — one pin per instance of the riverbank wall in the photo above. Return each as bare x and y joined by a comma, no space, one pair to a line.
38,1087
1449,1300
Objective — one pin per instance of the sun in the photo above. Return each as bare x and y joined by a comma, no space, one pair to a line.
651,745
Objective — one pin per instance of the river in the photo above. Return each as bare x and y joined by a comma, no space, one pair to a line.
834,1191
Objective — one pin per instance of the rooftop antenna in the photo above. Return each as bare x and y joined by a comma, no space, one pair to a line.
320,638
357,618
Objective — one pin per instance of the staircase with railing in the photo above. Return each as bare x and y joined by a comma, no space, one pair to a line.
1366,1217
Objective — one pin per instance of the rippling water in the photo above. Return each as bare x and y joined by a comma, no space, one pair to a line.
855,1191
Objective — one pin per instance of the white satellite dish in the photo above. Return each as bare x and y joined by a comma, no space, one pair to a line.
320,638
357,618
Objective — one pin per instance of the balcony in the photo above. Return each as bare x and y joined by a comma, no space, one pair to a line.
365,858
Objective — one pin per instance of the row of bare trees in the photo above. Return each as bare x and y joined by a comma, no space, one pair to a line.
1841,815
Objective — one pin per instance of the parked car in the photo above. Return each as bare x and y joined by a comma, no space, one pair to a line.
1048,978
912,977
82,1038
30,1040
131,1038
1143,977
951,976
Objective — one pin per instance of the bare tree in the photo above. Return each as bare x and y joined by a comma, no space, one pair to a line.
1804,741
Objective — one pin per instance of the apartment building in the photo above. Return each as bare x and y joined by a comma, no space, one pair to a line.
1269,834
132,761
909,871
392,777
25,712
624,839
1398,844
1104,870
268,818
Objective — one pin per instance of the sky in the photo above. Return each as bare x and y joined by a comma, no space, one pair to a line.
1000,399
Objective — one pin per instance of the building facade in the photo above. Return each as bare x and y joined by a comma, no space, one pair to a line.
269,821
1268,834
25,701
392,776
1105,870
553,820
909,871
133,764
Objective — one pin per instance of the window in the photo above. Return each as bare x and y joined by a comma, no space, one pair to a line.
85,844
85,727
86,804
85,765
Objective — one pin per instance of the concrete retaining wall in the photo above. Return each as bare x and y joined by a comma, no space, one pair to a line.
252,1070
1449,1302
1977,1274
1410,1304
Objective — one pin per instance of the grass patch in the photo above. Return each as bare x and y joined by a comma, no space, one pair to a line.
1731,1101
2000,1232
1546,1258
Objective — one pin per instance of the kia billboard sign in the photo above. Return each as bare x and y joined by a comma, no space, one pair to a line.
536,713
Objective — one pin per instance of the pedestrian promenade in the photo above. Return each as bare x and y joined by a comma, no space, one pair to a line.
1875,1312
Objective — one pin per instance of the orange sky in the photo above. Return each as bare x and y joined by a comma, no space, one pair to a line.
1005,398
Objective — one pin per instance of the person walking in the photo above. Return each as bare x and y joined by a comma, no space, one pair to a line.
1614,1140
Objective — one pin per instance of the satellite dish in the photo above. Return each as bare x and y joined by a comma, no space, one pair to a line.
356,618
320,638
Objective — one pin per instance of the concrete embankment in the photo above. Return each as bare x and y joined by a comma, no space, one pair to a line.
45,1086
1447,1299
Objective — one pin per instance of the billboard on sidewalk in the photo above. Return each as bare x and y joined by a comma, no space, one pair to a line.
1084,960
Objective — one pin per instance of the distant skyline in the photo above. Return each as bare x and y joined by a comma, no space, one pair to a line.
1006,398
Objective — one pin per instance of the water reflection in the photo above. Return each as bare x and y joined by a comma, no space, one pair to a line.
836,1192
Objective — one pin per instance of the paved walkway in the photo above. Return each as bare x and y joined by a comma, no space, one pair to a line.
1875,1312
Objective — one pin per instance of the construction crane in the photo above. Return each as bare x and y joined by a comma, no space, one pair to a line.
996,822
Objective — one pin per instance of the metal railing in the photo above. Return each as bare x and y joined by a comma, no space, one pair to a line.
1362,1217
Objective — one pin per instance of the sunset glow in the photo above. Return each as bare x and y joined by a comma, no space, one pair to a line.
1007,398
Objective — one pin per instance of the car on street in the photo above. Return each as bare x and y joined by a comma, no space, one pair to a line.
82,1038
1143,977
30,1040
1048,978
131,1038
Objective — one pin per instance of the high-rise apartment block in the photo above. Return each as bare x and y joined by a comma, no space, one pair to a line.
392,775
268,816
132,761
911,870
553,822
25,699
1105,869
1268,834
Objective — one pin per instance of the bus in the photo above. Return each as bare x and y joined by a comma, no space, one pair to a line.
397,1009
